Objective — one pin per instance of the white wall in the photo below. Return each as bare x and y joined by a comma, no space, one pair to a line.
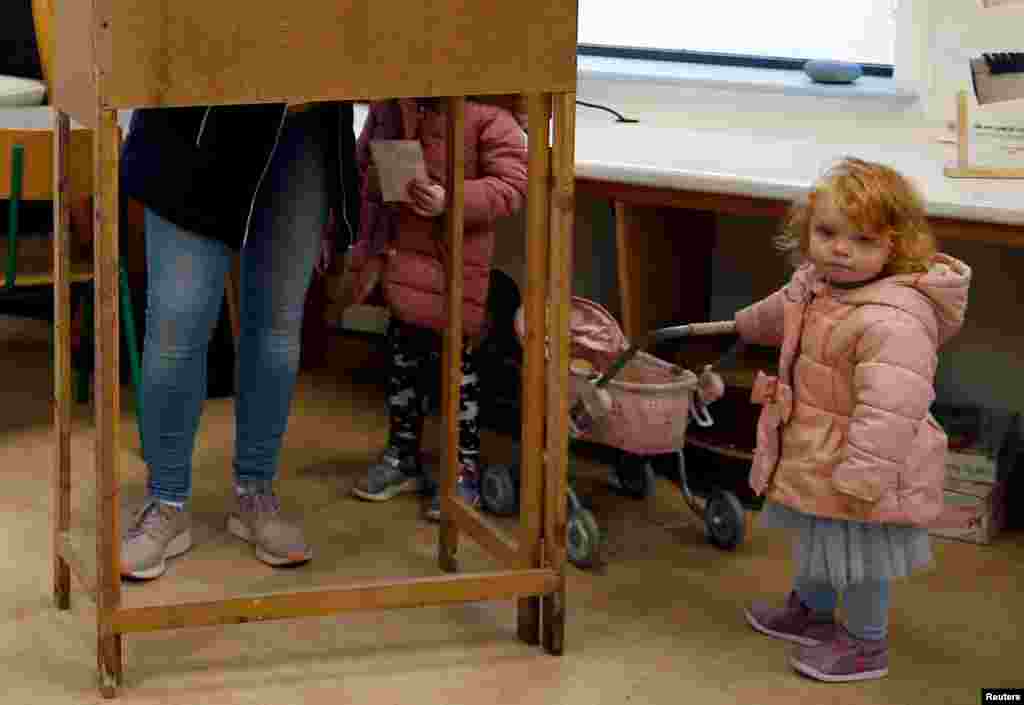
955,30
983,365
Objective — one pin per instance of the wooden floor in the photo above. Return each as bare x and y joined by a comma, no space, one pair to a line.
661,623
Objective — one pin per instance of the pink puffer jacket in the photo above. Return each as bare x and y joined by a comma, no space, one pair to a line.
845,431
413,275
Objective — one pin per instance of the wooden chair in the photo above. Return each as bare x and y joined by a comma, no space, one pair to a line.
28,269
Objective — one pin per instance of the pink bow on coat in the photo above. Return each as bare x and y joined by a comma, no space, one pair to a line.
777,398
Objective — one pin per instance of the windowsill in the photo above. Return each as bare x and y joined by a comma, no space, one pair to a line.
737,78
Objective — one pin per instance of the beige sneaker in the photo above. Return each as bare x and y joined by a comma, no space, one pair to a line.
259,522
157,532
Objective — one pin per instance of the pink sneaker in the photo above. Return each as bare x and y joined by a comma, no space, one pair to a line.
793,622
844,658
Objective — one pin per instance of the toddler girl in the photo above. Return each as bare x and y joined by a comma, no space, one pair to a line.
847,452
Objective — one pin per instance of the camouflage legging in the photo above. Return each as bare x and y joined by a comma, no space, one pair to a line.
415,365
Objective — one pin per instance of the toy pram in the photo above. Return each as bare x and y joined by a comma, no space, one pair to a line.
628,399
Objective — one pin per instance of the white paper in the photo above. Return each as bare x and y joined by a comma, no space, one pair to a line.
398,162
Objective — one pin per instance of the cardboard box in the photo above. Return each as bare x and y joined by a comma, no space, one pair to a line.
972,465
982,442
978,508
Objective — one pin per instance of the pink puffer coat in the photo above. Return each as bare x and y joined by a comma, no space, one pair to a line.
845,431
413,275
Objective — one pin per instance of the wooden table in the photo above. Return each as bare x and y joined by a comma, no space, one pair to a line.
121,54
669,184
664,240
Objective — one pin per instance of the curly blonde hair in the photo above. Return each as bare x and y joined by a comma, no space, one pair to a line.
875,198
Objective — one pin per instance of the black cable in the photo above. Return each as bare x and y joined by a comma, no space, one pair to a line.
620,117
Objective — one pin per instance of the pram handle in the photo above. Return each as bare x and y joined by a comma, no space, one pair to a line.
691,329
661,335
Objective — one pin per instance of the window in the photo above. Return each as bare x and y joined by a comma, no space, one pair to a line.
777,34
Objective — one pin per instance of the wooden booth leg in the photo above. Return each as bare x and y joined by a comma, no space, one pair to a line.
61,487
531,498
107,400
452,352
559,283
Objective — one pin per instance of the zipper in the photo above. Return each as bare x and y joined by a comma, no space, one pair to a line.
202,125
266,167
344,200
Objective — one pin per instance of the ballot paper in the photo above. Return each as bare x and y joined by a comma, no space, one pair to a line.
398,162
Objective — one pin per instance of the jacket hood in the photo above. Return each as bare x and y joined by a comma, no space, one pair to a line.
938,297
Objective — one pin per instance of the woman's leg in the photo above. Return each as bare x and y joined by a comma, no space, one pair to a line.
276,269
185,288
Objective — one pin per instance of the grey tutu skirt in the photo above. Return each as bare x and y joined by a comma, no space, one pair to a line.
842,553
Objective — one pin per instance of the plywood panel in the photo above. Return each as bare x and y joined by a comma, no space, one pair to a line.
72,76
37,183
194,52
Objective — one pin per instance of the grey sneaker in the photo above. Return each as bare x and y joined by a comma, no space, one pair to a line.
467,487
843,658
793,622
389,477
156,532
258,521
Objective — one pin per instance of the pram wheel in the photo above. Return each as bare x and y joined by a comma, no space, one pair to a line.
632,476
725,520
582,538
499,489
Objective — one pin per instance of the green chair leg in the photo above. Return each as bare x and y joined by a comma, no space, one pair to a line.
128,330
17,174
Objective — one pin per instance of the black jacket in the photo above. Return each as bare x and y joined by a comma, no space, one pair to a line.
200,167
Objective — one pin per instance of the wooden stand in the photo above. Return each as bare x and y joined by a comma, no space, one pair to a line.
963,168
119,54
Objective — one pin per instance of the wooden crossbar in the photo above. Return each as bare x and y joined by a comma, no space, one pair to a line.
410,592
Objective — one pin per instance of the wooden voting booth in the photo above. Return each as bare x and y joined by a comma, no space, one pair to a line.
121,54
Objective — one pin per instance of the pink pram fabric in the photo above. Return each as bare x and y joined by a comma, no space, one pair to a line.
649,401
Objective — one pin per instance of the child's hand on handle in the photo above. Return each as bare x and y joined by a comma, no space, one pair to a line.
710,385
427,198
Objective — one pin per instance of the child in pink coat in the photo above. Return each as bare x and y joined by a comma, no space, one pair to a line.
401,253
848,455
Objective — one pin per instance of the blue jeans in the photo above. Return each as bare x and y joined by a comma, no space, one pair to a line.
186,275
866,605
